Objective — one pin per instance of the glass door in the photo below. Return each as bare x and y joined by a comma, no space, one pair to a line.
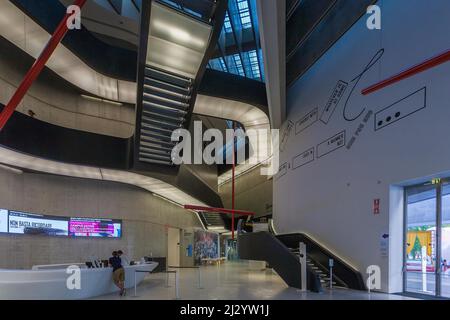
420,239
445,241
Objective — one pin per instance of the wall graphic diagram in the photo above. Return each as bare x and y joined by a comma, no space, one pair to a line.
282,171
307,121
286,134
360,129
393,113
333,102
356,81
332,144
303,158
401,109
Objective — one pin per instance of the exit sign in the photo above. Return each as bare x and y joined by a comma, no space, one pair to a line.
435,181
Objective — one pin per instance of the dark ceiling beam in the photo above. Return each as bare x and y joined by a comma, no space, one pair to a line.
338,20
255,29
291,6
236,30
116,5
303,20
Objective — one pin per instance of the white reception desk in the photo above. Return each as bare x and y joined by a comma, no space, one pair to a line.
52,283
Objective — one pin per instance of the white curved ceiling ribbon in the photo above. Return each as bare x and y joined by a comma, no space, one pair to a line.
20,160
22,31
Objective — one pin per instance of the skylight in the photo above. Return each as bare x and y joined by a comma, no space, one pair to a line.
240,30
244,14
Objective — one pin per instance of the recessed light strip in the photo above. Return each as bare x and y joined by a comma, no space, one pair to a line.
101,100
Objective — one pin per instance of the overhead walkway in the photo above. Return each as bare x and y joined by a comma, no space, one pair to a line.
175,47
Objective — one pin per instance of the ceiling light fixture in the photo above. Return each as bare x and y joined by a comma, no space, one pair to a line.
10,169
178,35
101,100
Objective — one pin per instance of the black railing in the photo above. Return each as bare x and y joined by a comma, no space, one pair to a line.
343,272
264,246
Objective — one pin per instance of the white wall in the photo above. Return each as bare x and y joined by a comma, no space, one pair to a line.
253,192
145,219
331,197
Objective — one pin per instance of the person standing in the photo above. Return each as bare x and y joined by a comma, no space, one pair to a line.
118,272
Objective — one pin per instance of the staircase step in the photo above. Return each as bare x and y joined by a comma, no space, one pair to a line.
155,151
155,156
167,118
156,141
165,101
157,128
158,108
166,93
167,77
155,146
167,86
160,136
160,124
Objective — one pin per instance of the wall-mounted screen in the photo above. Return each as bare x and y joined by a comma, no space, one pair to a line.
26,223
88,227
17,222
3,221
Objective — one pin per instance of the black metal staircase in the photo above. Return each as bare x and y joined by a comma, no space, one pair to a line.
282,253
322,272
165,96
212,220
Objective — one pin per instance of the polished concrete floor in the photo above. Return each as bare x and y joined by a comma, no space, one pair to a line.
234,281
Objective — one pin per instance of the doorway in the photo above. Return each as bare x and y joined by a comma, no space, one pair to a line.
173,247
427,238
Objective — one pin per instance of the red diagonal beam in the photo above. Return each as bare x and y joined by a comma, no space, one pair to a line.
421,67
37,67
218,210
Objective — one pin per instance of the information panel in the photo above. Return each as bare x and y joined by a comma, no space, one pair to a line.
88,227
26,223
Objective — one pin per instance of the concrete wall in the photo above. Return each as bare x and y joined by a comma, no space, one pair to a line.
253,193
144,216
327,186
55,101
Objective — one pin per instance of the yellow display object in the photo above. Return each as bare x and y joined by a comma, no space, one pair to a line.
424,240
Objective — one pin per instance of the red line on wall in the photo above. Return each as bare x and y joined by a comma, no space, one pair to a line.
421,67
37,67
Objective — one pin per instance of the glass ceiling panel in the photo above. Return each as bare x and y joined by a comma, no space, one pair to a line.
240,52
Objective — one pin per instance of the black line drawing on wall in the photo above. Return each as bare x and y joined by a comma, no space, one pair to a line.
335,142
303,158
333,102
307,121
401,109
356,81
282,171
286,134
359,130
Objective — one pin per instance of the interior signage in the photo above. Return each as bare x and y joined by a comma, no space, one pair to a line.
17,222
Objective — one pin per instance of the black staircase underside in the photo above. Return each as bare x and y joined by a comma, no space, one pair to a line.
165,100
